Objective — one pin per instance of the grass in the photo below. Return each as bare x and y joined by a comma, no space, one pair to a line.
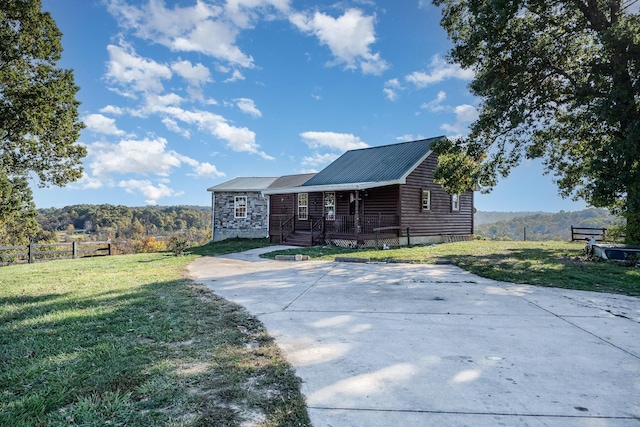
550,263
129,341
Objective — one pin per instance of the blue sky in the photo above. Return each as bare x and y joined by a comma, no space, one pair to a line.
181,95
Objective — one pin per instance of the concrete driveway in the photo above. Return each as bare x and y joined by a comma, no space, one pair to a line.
433,345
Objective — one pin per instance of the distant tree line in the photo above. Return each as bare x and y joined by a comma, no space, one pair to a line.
546,226
103,222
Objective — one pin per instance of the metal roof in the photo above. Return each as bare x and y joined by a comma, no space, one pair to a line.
386,163
291,180
366,168
244,184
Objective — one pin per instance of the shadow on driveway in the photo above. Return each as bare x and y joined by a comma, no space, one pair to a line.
407,344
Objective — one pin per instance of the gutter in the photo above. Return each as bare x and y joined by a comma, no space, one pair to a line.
334,187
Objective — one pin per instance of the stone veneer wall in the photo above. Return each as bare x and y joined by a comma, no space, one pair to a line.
226,226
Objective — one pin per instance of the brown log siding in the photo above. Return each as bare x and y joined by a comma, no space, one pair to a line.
440,219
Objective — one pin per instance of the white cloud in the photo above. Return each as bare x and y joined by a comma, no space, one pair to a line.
102,124
391,88
348,37
465,115
238,139
206,170
243,13
247,106
196,75
159,103
199,28
153,193
112,109
132,71
334,141
147,156
173,126
319,159
409,137
439,70
87,182
436,104
235,76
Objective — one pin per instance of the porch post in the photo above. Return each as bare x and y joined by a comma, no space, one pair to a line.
356,217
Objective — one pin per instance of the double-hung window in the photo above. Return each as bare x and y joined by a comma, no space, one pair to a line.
303,206
455,202
426,200
240,206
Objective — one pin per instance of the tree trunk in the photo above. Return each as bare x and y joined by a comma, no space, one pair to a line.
633,216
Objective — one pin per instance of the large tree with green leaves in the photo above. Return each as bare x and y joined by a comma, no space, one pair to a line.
558,80
39,125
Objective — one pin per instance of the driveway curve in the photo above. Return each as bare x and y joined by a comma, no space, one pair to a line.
434,345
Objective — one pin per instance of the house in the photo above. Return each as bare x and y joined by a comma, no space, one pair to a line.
239,209
371,197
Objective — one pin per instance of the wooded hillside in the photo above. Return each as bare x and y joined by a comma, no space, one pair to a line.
123,222
544,226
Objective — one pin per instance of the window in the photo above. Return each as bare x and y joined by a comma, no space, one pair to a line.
240,206
426,200
455,202
303,206
330,206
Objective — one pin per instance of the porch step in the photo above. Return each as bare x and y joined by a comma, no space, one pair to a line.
299,238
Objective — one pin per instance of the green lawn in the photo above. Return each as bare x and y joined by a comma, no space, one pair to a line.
129,341
551,263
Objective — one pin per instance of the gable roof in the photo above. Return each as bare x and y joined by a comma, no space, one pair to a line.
291,180
368,168
242,183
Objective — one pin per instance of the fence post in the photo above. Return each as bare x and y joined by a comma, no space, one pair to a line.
74,250
32,254
109,248
408,238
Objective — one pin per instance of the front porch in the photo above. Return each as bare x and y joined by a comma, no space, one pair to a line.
339,230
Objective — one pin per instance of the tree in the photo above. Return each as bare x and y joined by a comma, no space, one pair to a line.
17,212
558,81
39,124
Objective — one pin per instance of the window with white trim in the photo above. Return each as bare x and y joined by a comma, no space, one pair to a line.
240,206
303,206
330,206
455,202
426,200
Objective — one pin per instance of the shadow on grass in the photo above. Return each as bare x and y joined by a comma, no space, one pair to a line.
228,246
548,267
151,354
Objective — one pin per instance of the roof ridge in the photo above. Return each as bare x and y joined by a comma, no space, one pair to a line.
395,144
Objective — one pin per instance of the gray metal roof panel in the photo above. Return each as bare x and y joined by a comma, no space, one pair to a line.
243,183
291,180
375,164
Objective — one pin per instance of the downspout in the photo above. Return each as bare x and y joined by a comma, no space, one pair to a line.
268,213
213,215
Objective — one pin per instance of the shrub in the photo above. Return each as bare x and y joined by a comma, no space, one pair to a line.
178,243
150,244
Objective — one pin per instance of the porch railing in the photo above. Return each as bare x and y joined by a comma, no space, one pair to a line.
342,225
287,226
345,224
